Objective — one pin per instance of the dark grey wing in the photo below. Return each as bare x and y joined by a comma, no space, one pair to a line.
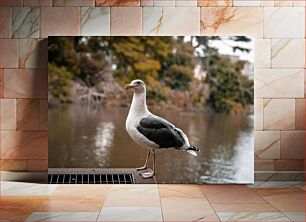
160,132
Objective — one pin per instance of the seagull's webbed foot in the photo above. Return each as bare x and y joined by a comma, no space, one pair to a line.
142,168
147,174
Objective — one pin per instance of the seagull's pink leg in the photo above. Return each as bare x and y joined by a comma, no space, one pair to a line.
146,163
150,173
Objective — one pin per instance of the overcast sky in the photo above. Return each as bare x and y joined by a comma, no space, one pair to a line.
224,48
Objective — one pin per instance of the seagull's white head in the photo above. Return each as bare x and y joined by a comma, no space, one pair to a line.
137,86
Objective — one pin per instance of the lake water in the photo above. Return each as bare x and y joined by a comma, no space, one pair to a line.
84,137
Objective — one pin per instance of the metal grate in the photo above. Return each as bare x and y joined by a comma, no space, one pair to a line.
90,179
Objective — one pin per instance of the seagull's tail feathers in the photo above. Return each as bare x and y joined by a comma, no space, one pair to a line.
192,150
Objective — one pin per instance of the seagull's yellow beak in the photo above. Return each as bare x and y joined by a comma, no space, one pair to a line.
128,86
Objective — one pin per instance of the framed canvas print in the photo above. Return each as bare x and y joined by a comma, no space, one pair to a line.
171,109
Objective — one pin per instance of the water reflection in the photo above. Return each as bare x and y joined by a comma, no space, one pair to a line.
86,137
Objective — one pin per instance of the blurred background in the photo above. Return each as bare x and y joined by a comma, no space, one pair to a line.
204,85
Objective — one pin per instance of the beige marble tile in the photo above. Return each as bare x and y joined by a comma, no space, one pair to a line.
25,22
92,191
179,191
279,114
286,200
232,21
219,3
279,83
284,50
300,114
43,114
278,19
267,144
33,53
126,21
5,22
130,214
264,165
9,53
25,83
51,17
292,144
171,21
258,114
118,3
262,207
133,196
8,114
146,2
71,204
13,165
262,53
187,209
37,165
246,3
63,216
289,165
27,114
163,3
37,2
5,3
266,3
95,21
284,3
186,3
24,145
73,2
253,216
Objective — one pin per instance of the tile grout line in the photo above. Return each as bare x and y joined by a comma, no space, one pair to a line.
209,203
161,208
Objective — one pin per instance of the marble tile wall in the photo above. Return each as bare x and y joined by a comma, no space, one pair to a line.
277,26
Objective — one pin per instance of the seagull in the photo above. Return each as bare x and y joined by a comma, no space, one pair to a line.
151,131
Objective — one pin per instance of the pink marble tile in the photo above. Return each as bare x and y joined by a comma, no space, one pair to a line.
283,3
73,2
8,53
232,21
10,3
230,194
8,114
43,114
37,165
52,17
24,145
264,165
25,83
126,21
215,3
1,83
118,2
300,114
37,2
289,165
33,53
292,144
13,165
279,114
5,22
27,114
